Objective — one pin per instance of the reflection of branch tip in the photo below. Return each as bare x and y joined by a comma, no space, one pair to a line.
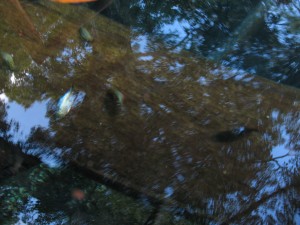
30,24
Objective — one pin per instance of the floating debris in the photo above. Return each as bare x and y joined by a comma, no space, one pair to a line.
8,59
85,34
65,103
234,134
113,101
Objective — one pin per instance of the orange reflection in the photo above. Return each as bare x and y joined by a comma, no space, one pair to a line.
78,194
73,1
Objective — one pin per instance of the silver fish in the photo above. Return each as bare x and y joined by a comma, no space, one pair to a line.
65,103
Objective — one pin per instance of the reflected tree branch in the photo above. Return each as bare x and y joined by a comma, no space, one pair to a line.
29,23
256,204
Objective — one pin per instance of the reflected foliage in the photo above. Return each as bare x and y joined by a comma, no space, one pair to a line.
239,34
12,159
30,198
158,142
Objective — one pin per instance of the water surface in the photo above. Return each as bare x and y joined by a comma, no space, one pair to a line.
181,113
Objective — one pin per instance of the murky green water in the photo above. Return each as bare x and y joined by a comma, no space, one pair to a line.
182,112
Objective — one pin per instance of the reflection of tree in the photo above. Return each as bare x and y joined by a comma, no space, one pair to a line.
241,33
284,23
8,152
203,23
12,159
161,142
162,138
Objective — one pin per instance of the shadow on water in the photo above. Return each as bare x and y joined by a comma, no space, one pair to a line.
145,125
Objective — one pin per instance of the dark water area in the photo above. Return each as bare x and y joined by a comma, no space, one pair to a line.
150,112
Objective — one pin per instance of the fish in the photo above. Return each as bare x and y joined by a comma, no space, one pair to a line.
234,134
65,103
73,1
8,59
85,34
113,101
119,96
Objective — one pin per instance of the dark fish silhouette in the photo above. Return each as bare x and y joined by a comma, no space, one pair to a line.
113,101
234,134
